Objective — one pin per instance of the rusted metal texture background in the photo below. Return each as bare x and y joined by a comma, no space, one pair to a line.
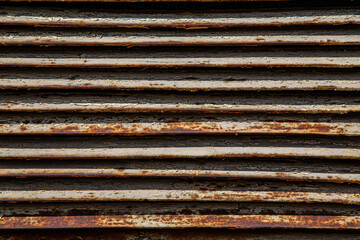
180,120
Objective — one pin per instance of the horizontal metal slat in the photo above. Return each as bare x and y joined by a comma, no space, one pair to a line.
180,85
177,195
183,221
116,58
210,108
83,18
140,124
179,173
184,102
94,37
314,170
193,80
181,80
171,190
184,152
346,129
179,147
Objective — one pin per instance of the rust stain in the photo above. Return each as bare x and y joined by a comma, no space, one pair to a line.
306,127
67,129
23,128
180,173
174,128
183,221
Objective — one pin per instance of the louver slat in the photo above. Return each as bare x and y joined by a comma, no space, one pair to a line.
347,129
152,122
116,58
180,147
182,80
179,173
211,103
173,152
173,38
168,221
176,195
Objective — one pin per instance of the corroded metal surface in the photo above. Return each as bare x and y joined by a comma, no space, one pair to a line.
179,152
17,37
181,103
179,173
205,108
182,85
212,146
346,129
116,58
177,195
254,123
183,80
174,221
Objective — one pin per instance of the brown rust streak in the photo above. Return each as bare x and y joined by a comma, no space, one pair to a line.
306,128
179,128
179,173
177,195
183,221
273,197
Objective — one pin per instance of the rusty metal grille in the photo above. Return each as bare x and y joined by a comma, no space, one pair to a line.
180,120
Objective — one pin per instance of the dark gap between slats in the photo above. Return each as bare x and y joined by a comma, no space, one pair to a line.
99,184
190,5
174,208
179,234
215,164
53,142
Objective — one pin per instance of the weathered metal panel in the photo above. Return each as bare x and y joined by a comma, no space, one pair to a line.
154,123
